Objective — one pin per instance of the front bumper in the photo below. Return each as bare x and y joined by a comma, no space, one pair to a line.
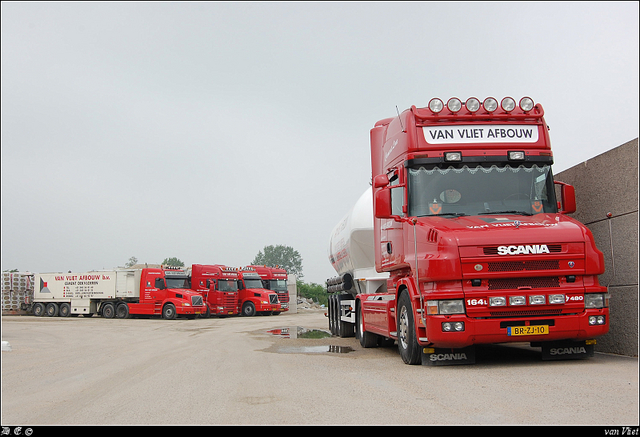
496,330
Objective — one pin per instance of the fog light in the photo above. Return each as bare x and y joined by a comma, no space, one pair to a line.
453,156
556,298
446,327
516,156
497,301
459,326
537,300
517,300
592,320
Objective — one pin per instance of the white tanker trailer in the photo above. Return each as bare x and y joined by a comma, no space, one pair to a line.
352,255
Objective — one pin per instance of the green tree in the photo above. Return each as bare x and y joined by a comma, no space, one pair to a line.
313,291
132,262
174,262
284,256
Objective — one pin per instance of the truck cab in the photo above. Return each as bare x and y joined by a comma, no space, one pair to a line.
275,279
254,298
218,285
166,291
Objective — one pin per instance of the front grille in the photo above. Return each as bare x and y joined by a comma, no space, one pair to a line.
196,300
517,266
493,250
283,297
273,298
523,283
525,313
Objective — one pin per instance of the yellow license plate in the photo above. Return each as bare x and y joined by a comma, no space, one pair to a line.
528,330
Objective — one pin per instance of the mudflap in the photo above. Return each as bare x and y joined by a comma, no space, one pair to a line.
567,350
448,356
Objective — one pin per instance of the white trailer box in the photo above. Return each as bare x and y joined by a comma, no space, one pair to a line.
83,291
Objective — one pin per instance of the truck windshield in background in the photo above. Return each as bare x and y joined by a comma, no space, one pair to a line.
252,283
177,283
227,285
278,285
526,189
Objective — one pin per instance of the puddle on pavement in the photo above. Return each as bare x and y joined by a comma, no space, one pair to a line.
299,332
316,349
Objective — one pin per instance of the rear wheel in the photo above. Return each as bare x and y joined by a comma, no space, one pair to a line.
407,343
38,309
122,311
52,309
108,311
65,310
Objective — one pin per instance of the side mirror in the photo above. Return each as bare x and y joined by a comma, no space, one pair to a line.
568,197
380,181
382,204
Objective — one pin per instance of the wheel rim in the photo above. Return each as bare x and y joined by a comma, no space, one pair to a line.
404,325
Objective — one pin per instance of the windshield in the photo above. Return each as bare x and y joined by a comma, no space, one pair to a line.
177,283
481,190
227,285
252,283
278,285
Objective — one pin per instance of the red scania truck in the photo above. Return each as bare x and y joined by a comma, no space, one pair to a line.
275,279
218,286
254,298
461,240
116,293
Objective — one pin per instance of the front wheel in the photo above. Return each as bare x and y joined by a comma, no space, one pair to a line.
169,311
248,309
407,342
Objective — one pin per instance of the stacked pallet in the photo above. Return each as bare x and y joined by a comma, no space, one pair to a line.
17,292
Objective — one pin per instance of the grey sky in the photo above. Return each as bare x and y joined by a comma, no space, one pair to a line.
206,131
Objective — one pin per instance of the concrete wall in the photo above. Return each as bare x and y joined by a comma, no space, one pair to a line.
608,183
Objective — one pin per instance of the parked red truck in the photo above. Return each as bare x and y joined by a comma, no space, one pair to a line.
254,298
218,285
275,279
116,293
463,241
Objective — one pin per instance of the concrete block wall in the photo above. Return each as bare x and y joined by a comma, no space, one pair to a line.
608,183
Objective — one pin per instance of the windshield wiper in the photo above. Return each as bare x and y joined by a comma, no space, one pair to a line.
455,214
506,212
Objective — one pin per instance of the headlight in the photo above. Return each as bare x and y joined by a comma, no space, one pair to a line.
556,298
490,104
445,307
594,300
454,105
472,104
184,304
538,299
517,300
498,301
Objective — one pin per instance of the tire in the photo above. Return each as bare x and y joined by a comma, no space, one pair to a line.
108,311
51,310
38,309
248,309
65,310
169,311
407,343
367,339
122,311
